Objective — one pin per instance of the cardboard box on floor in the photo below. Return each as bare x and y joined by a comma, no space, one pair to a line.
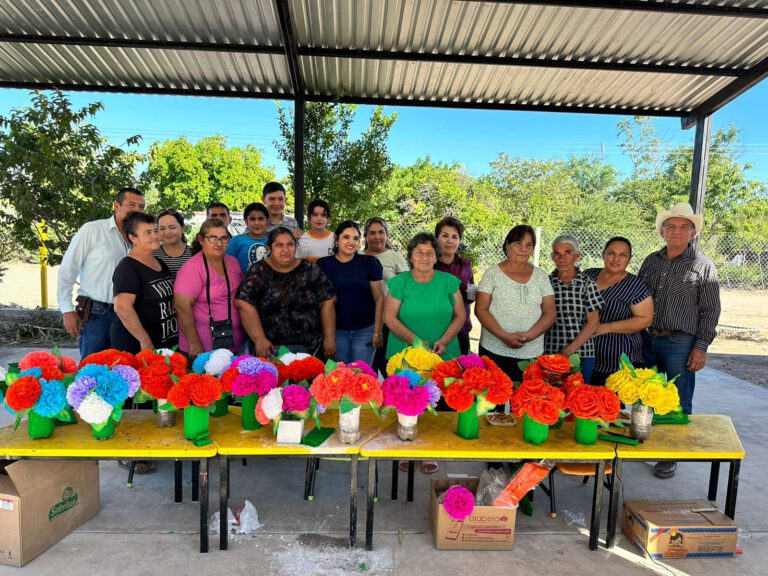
488,528
679,529
41,501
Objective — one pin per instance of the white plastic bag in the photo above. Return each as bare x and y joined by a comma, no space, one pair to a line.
249,519
213,523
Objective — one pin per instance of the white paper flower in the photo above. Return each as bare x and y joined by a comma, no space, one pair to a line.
94,410
272,405
219,361
290,357
165,351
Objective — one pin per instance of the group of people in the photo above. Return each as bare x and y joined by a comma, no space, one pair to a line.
348,295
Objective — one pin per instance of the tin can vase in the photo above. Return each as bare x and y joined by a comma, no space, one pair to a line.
406,426
349,426
641,421
165,418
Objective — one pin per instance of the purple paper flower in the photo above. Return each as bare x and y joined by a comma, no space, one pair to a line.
296,398
458,502
434,392
470,361
252,366
131,376
79,389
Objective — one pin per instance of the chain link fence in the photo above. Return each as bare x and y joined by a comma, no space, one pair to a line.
742,263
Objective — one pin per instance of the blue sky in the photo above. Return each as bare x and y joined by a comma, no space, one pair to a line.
471,138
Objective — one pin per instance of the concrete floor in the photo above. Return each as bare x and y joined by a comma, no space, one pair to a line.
141,530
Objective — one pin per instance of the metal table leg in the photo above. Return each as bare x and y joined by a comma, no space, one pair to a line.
597,501
371,502
714,477
353,501
613,506
411,472
733,488
203,504
177,495
223,501
195,476
395,477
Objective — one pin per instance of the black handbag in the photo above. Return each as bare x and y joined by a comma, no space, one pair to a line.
222,331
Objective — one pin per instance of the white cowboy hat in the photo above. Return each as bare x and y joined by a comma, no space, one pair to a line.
680,210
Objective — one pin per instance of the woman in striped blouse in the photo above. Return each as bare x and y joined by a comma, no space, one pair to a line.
628,310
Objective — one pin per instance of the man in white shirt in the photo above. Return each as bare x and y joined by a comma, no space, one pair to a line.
219,210
92,256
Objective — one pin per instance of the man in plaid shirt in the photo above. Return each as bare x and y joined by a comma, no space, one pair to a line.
578,303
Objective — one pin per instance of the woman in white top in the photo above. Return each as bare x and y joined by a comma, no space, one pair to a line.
376,236
318,242
515,305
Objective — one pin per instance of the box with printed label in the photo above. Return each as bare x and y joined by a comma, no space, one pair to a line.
487,528
679,529
41,501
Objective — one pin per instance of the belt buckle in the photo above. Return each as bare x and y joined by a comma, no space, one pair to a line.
653,332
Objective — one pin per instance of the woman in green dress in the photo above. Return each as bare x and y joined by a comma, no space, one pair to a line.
424,303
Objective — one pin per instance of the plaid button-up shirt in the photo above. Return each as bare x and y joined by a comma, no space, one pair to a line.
573,301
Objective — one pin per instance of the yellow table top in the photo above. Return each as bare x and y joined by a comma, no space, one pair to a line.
136,435
705,438
436,438
232,440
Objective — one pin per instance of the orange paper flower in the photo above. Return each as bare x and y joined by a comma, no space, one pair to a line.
556,363
195,389
23,393
582,401
533,372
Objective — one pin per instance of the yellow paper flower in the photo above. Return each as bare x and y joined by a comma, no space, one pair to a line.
616,380
628,391
652,395
644,374
423,361
396,362
669,400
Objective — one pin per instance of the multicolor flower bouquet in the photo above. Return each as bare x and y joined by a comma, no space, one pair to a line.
249,378
37,387
417,357
347,387
540,405
196,394
287,407
592,406
410,394
214,363
159,370
649,392
472,385
98,393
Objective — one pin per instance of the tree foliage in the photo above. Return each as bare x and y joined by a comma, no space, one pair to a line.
190,176
346,172
56,168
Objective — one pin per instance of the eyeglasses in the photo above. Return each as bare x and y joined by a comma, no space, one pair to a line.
218,239
168,212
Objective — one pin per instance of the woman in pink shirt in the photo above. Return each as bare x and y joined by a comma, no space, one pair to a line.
204,293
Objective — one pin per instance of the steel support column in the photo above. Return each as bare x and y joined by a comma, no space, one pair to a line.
298,159
700,163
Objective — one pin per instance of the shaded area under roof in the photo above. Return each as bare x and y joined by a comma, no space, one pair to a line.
670,58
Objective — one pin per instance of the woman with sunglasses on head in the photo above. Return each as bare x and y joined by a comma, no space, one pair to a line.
204,294
359,296
174,250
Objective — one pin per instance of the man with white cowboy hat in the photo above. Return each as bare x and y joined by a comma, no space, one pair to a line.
686,305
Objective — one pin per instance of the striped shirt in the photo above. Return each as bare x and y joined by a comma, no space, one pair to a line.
173,262
573,301
686,294
619,299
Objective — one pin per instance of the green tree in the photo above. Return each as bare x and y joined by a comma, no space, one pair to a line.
344,171
190,176
56,168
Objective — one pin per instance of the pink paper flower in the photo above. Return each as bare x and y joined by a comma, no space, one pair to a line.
414,402
296,398
458,502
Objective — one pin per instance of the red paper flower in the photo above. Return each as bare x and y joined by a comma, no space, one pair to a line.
46,361
533,372
195,389
447,369
306,369
499,387
543,411
571,381
68,365
23,393
537,398
156,380
227,377
582,401
110,358
458,396
180,395
608,404
556,363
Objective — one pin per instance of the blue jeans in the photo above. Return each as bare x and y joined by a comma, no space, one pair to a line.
670,354
94,334
354,345
587,367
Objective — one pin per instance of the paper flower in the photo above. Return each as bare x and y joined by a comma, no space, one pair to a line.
214,362
110,358
79,389
409,393
23,393
98,393
272,403
539,401
194,390
94,410
416,357
475,380
644,386
296,398
47,362
53,398
458,502
131,376
250,375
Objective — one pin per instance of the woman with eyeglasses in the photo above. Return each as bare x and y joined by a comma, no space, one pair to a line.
143,290
174,250
204,294
287,301
359,296
515,304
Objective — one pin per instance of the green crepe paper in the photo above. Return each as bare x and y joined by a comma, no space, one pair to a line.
317,436
586,431
103,431
196,428
468,425
671,418
248,415
221,407
39,426
534,432
65,417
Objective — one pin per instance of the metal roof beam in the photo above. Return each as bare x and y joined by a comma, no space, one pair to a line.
290,45
734,89
135,43
694,9
218,92
517,61
374,101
